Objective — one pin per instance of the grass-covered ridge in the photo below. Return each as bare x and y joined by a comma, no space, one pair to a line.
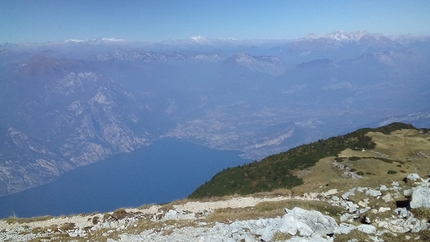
276,171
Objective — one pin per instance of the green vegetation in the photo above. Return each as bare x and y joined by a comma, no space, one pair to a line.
276,171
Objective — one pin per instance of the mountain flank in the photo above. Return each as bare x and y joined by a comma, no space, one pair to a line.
288,169
375,188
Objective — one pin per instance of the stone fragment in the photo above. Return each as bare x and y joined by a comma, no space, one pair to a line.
344,228
407,192
307,223
420,197
330,192
346,195
367,228
373,193
387,198
402,212
413,177
351,207
383,209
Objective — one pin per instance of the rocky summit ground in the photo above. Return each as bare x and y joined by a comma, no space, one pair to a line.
354,214
381,194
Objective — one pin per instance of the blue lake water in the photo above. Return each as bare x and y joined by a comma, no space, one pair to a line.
167,170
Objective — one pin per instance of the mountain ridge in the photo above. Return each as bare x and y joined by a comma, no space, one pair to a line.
82,101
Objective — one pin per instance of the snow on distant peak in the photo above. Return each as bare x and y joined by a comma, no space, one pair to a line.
74,41
105,40
198,38
342,36
112,39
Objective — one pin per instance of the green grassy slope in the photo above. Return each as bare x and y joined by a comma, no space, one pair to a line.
276,171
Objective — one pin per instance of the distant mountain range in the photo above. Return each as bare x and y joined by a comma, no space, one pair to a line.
71,103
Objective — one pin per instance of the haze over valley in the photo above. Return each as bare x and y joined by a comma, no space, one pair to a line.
72,103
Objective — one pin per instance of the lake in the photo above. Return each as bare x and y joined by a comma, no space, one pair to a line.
167,170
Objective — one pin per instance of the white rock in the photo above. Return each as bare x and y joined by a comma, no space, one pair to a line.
383,209
413,177
351,207
344,228
383,188
395,184
402,212
367,228
420,197
362,203
346,195
307,239
307,223
330,192
407,192
373,193
171,215
387,198
363,210
361,189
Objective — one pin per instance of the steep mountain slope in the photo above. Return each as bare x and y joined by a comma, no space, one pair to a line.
57,122
283,170
66,104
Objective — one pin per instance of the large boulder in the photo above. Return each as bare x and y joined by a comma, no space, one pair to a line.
420,197
307,223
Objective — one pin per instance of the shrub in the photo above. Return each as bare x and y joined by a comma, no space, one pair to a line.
67,226
95,220
118,214
391,172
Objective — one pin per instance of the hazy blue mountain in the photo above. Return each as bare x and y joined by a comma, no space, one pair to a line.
71,103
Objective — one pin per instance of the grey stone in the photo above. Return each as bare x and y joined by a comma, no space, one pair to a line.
307,239
346,195
373,193
344,228
420,197
407,192
413,177
367,228
383,209
402,212
330,192
383,188
387,198
307,223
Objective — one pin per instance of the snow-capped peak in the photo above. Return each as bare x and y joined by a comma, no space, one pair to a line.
112,39
198,38
74,41
341,36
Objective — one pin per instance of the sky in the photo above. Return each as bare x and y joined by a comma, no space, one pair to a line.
157,20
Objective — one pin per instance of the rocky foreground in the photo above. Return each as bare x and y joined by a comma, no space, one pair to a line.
358,214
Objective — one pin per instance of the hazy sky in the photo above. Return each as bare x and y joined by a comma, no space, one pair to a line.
157,20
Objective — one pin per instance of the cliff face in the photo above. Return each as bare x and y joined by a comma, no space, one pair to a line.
64,121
